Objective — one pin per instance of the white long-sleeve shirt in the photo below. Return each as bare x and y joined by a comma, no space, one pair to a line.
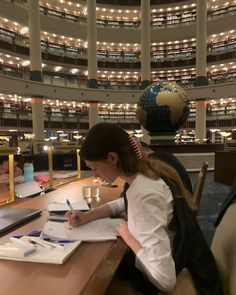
150,209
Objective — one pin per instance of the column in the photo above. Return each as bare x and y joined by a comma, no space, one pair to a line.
201,67
92,43
145,43
201,43
36,67
37,118
93,114
200,128
213,136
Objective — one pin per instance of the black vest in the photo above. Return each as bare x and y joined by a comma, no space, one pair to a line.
190,249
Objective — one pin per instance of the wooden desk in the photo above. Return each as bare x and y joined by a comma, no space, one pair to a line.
4,187
88,271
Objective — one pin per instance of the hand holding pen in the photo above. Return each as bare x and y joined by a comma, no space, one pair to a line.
69,205
73,218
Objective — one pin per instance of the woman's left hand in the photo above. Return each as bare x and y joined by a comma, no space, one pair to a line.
125,234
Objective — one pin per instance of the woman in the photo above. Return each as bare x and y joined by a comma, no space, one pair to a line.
110,152
4,169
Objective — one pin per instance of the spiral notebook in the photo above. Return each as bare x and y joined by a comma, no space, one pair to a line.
10,251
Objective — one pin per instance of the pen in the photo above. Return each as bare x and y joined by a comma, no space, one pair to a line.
65,241
34,233
59,241
54,245
41,243
69,205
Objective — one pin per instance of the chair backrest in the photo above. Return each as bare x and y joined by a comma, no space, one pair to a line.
184,285
224,249
197,192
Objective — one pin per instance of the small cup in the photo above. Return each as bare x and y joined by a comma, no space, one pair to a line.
86,192
94,191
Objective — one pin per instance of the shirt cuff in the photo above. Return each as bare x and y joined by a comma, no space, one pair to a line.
117,207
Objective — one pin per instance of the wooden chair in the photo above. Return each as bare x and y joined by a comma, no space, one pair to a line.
184,285
197,192
224,249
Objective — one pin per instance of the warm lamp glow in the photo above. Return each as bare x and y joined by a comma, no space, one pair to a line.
225,134
214,130
53,137
77,136
28,135
139,135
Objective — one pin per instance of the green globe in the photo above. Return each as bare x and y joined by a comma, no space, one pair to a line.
163,108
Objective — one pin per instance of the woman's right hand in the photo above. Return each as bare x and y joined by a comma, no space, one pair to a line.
76,218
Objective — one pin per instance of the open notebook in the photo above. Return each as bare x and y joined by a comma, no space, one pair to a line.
63,207
103,229
40,254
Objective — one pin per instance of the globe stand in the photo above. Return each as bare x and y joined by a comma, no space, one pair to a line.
164,138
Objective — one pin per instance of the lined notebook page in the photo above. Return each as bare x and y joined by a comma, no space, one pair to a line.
44,255
97,230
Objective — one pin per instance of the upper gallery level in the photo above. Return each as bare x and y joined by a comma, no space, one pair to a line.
65,58
119,66
121,25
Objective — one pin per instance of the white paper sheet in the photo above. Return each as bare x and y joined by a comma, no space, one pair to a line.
55,207
98,230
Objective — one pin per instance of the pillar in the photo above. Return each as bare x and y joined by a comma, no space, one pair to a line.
92,43
201,43
93,114
36,67
145,43
37,118
201,67
200,128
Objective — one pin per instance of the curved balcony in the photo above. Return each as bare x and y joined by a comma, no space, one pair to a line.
137,2
62,55
31,88
120,35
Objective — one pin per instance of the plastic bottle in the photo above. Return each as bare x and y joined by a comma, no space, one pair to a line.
28,172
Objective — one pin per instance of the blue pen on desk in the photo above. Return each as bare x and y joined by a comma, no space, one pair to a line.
69,205
59,242
65,241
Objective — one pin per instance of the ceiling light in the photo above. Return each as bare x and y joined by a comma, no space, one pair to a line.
24,30
57,68
74,71
25,63
77,136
